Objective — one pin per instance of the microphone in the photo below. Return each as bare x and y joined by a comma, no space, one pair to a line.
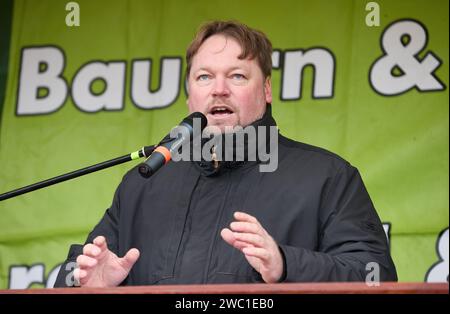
164,150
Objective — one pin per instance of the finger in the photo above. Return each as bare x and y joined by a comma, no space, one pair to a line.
250,238
256,252
91,250
129,259
83,277
80,276
85,261
228,236
240,245
249,227
100,241
245,217
83,274
76,274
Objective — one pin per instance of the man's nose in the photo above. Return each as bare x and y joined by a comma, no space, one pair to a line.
220,87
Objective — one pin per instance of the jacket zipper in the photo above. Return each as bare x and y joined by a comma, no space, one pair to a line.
219,219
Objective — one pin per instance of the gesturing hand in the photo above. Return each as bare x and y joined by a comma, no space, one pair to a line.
99,267
259,248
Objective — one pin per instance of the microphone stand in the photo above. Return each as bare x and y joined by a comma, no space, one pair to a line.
143,152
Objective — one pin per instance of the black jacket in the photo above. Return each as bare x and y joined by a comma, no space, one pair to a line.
314,205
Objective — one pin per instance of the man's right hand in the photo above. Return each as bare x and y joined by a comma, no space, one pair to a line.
99,267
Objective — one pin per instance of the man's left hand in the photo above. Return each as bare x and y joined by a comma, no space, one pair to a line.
260,249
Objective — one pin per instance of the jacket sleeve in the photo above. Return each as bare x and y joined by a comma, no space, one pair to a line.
353,244
107,227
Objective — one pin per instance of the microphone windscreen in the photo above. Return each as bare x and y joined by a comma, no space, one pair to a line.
196,115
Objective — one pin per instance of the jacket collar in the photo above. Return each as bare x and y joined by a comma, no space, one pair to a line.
211,168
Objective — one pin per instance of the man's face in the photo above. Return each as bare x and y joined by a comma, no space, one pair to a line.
228,90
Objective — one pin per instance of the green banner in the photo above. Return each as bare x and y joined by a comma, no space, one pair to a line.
86,81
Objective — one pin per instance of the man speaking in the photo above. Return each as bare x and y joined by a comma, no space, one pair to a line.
226,221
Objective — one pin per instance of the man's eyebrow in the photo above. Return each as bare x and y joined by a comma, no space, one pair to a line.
238,68
203,69
207,69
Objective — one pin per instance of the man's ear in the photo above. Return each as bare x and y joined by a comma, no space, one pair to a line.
186,85
268,90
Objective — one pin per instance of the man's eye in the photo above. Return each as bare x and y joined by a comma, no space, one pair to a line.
238,76
203,77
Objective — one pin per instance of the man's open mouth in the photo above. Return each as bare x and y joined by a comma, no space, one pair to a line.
218,111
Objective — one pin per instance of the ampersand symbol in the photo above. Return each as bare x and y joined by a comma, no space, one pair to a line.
403,56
